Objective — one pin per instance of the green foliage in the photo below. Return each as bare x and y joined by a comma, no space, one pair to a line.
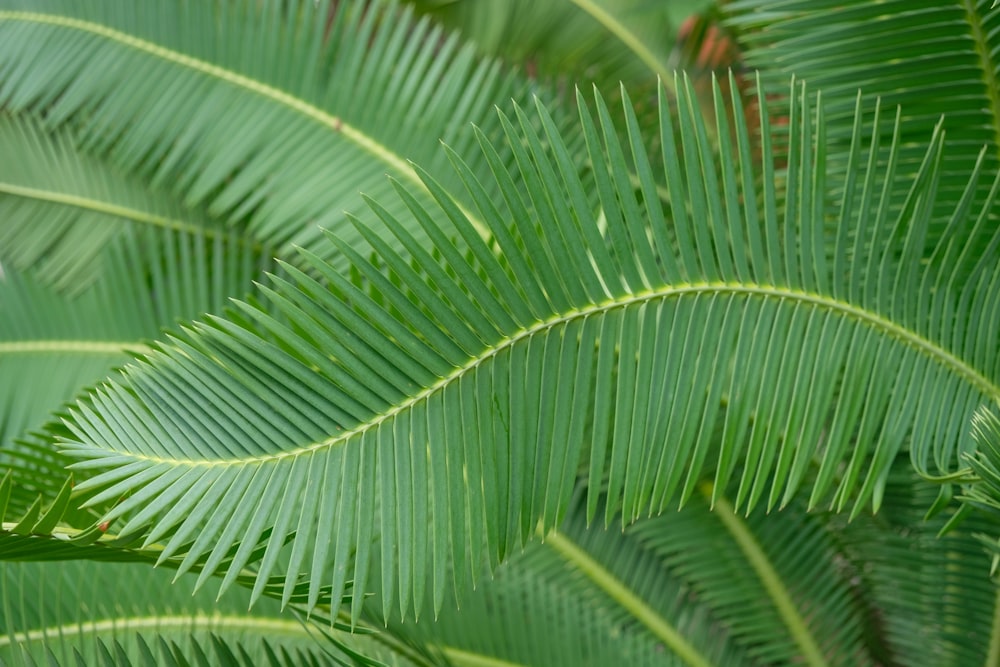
590,384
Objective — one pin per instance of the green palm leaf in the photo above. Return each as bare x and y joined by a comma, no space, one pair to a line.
57,531
284,142
983,494
682,588
600,41
929,600
933,59
53,344
121,614
419,436
61,208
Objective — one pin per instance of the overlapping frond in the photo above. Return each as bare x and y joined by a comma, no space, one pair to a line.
983,493
929,599
59,208
54,343
587,596
56,530
274,114
933,59
604,43
418,429
680,588
75,613
787,595
599,41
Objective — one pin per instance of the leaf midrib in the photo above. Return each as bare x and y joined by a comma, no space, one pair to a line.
988,68
301,106
768,576
213,622
882,324
119,211
660,627
72,346
463,658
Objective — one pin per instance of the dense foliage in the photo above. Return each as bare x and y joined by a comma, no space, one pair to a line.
636,368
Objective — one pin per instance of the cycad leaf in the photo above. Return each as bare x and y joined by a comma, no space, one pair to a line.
57,531
983,493
934,59
603,41
286,140
393,444
60,208
53,344
929,599
674,589
57,611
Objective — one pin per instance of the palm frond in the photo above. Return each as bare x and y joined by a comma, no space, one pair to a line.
55,530
675,587
983,493
933,59
172,273
60,208
930,602
611,598
286,142
598,41
54,343
94,613
787,597
604,43
468,407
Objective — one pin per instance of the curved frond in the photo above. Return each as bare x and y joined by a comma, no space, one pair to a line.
931,603
600,41
933,59
675,589
437,416
94,613
345,93
59,208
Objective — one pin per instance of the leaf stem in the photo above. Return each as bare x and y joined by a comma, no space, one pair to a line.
621,594
74,346
911,338
993,655
216,622
990,81
127,213
461,658
770,579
